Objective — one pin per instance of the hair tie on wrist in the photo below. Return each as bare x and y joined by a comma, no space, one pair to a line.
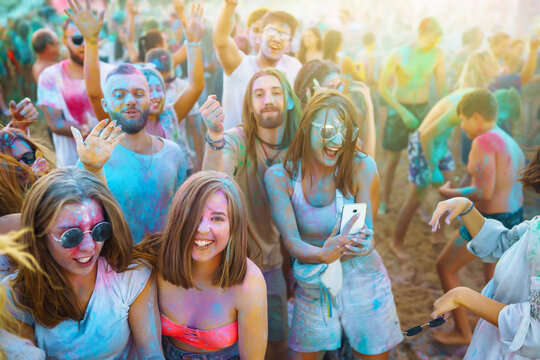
468,210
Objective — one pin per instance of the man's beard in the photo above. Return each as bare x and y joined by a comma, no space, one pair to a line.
132,126
76,59
268,121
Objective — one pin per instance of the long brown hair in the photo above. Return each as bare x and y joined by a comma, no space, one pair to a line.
303,49
249,122
300,149
15,177
170,251
50,298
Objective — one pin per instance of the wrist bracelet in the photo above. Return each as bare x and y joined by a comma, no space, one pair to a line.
468,210
193,44
215,145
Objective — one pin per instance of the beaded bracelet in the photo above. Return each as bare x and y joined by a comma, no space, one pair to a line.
468,210
215,145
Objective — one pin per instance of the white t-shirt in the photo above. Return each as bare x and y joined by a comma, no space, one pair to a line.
234,85
59,91
104,333
16,348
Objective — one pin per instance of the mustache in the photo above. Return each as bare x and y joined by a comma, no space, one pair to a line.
270,108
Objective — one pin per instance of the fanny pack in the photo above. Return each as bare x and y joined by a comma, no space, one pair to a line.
329,277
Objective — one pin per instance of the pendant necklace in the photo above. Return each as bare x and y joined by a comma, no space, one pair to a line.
151,157
269,160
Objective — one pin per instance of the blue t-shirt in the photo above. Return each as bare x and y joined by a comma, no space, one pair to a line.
144,185
104,332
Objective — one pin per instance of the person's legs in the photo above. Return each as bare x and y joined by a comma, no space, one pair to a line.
392,161
277,314
383,356
438,237
414,200
453,257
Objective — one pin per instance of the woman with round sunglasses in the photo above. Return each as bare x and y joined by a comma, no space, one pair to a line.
91,300
509,305
212,298
322,173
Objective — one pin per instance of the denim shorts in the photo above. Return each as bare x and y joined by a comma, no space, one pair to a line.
509,220
174,353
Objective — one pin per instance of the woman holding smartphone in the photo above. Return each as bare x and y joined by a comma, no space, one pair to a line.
322,173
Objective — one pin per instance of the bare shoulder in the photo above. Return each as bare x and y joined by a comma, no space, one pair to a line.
253,287
277,175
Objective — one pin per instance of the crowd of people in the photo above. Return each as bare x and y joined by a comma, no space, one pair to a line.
194,182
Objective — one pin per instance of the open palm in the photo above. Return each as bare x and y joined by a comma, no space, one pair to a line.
98,146
88,24
194,29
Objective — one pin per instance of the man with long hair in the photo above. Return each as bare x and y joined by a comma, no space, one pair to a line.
270,118
278,28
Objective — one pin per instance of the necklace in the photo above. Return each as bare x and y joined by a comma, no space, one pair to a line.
151,157
269,161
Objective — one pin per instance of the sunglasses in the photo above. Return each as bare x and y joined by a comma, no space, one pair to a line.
329,132
272,32
74,236
77,40
28,157
418,329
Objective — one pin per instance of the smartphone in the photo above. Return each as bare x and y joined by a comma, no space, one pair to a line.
348,212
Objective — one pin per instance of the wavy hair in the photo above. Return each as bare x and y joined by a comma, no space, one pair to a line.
479,70
300,149
50,298
303,50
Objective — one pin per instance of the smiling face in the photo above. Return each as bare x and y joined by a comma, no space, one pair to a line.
80,260
275,41
268,98
157,95
213,233
127,101
326,151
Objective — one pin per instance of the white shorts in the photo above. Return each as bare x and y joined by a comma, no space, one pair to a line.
364,308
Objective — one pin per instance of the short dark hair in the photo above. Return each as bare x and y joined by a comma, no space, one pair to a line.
40,39
530,176
124,69
161,58
430,25
368,38
256,15
480,102
280,16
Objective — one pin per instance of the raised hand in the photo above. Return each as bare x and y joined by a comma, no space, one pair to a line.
23,114
98,146
179,7
213,116
453,207
194,27
131,8
337,245
84,19
360,87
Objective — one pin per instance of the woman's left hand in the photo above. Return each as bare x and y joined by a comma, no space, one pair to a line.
40,167
449,301
362,243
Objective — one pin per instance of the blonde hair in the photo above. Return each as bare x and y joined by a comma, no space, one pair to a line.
479,70
16,252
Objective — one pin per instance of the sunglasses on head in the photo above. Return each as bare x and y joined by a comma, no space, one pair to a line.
418,329
28,157
329,131
74,236
77,40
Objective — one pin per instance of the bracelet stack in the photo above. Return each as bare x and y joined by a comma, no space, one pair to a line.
468,210
215,145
